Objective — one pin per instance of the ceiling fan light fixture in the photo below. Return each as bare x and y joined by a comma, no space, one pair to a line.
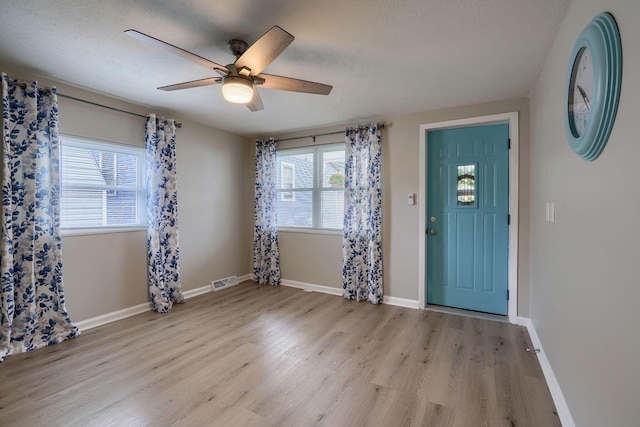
239,79
236,89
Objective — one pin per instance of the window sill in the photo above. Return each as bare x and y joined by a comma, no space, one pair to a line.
326,231
90,231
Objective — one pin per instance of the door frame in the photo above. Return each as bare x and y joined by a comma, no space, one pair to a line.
512,265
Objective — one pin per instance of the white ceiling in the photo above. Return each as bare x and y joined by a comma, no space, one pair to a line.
383,57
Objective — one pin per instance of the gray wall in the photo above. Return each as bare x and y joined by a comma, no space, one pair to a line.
317,259
585,271
104,273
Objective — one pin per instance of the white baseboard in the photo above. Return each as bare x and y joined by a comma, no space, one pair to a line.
311,287
204,289
552,382
244,278
103,319
400,302
197,291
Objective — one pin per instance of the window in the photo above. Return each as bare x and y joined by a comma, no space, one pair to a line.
102,185
287,181
311,187
466,185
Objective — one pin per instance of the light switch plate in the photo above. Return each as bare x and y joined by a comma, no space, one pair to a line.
411,199
551,212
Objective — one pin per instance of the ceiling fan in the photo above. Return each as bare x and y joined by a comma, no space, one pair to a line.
239,80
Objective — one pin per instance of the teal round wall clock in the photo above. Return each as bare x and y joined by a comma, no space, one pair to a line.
593,87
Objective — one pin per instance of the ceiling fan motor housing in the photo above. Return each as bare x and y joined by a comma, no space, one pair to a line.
238,47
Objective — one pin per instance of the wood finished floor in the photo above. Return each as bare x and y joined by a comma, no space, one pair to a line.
277,356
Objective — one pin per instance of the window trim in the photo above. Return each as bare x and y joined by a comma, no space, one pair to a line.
140,188
87,231
292,194
316,190
309,230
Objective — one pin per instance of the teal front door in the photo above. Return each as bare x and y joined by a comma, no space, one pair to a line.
467,218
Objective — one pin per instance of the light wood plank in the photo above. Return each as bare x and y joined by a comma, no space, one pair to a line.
277,356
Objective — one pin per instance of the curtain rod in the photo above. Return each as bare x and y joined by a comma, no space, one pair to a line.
24,86
178,125
380,126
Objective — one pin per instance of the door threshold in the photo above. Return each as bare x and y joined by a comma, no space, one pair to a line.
468,313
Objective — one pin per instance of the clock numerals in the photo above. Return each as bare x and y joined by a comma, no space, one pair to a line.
581,122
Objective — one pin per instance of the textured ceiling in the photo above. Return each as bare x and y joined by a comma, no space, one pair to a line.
383,57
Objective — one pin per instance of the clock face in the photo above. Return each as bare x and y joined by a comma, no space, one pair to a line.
581,91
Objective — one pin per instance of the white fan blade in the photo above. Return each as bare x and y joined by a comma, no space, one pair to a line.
293,85
256,102
194,83
175,50
267,48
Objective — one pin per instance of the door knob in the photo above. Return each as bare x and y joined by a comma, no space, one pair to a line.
433,231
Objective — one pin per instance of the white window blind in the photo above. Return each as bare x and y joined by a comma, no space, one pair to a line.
102,185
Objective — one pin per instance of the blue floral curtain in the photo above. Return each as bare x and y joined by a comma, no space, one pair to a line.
162,209
32,308
266,255
362,232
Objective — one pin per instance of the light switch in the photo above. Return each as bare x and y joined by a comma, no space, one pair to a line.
551,212
411,199
546,218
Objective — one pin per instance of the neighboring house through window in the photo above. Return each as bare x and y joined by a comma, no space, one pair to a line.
287,181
